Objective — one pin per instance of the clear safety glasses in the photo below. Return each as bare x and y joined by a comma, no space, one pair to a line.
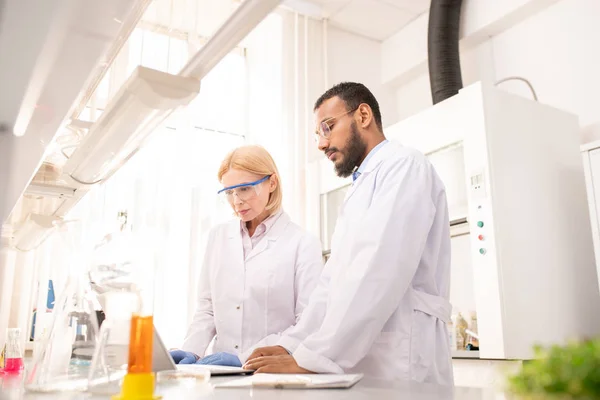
325,127
243,191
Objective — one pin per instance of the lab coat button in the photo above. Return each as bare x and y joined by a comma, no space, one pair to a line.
236,346
238,307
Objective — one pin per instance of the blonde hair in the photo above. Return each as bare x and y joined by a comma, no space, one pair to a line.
256,160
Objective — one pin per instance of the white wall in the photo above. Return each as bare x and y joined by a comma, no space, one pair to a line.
405,52
286,74
352,57
556,49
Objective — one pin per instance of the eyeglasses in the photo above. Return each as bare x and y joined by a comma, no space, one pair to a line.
324,128
243,191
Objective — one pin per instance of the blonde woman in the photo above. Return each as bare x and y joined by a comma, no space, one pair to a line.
259,269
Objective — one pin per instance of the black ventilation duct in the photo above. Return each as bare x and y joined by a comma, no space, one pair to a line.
442,49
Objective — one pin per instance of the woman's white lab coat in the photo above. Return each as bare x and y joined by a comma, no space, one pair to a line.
250,303
381,306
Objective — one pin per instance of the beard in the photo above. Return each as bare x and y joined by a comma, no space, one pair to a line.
352,153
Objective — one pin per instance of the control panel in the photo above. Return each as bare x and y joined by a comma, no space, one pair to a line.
478,194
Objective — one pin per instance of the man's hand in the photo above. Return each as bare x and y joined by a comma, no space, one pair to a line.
283,364
268,351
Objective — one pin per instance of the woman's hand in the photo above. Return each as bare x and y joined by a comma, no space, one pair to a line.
226,359
183,357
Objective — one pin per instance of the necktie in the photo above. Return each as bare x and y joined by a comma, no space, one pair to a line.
355,175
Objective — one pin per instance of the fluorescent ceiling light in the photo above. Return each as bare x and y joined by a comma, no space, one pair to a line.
141,104
32,232
239,24
43,189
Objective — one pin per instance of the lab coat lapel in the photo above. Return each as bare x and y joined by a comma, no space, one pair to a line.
373,163
271,236
235,250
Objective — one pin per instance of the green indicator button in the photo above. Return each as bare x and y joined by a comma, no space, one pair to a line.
480,224
482,251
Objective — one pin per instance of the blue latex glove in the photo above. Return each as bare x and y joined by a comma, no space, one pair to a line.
183,357
226,359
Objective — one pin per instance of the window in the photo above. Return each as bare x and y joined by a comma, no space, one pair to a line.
169,187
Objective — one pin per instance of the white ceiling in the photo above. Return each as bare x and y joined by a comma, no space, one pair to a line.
375,19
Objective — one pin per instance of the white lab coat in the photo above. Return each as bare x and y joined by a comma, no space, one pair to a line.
381,305
250,303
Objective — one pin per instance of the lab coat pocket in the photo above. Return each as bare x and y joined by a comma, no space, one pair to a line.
390,349
422,345
387,338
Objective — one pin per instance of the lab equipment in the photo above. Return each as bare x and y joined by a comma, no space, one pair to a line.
65,351
122,273
85,326
244,191
62,359
591,163
452,333
109,360
50,299
183,357
473,336
140,344
122,276
511,163
139,381
226,359
13,355
461,334
113,258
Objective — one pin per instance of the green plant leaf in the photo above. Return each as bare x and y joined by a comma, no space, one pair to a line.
569,371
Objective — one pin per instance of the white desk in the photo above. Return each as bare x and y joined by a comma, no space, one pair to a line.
12,389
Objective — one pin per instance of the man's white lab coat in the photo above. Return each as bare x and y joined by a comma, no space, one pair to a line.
381,305
250,303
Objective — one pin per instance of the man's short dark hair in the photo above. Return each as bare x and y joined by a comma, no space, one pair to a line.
353,95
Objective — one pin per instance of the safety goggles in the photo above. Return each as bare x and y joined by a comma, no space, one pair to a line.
243,191
324,128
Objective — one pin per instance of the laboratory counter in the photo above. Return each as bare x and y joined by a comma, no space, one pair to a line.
12,389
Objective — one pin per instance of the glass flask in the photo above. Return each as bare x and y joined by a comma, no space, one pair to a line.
122,275
66,352
13,355
63,360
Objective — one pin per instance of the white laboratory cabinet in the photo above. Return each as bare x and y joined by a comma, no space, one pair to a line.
523,258
591,163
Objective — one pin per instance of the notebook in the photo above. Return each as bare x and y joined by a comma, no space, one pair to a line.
293,381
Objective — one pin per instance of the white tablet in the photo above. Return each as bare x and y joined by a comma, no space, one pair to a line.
162,361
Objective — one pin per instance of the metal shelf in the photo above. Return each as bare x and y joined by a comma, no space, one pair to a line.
465,354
